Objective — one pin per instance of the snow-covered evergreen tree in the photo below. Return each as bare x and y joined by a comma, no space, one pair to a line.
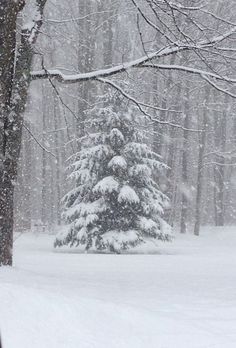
115,203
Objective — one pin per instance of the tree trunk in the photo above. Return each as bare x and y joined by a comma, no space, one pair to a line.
58,161
9,135
219,170
173,159
184,183
159,129
14,83
202,145
44,197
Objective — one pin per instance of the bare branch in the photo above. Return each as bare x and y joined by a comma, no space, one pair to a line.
140,107
38,142
166,51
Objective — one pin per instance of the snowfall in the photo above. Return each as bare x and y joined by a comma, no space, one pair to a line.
180,295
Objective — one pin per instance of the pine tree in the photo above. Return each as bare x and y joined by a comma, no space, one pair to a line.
115,204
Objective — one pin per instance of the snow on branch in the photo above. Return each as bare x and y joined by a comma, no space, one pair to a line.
190,70
166,51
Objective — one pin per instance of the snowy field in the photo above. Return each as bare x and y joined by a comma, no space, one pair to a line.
184,296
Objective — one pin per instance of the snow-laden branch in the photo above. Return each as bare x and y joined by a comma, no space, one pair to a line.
172,49
189,70
93,75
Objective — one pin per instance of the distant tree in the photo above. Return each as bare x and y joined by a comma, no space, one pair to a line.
115,204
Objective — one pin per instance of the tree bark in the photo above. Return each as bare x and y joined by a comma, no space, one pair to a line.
9,135
14,82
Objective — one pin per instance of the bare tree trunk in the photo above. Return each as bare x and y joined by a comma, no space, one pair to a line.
219,170
172,159
58,163
44,197
159,129
202,146
107,33
28,180
85,63
23,191
184,183
14,82
9,135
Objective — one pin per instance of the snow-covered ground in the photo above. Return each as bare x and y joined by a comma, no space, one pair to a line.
182,297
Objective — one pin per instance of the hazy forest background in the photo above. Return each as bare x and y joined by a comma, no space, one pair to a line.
193,123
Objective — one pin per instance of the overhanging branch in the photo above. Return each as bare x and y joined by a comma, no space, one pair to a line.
140,62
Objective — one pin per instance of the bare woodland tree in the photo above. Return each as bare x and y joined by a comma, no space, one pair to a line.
15,77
